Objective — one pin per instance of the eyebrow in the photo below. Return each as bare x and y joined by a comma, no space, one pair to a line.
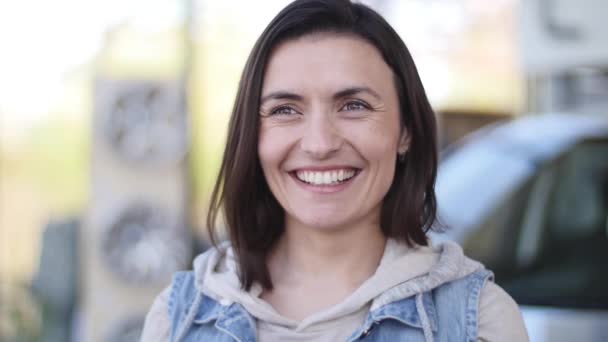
355,90
285,95
281,95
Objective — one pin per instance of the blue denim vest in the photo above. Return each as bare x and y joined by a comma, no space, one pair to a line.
451,311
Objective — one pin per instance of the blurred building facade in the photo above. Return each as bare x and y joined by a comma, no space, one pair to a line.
137,229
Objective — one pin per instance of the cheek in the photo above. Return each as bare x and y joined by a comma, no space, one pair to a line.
272,148
377,143
265,151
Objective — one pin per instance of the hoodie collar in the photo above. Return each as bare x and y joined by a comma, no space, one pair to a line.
236,321
452,264
422,270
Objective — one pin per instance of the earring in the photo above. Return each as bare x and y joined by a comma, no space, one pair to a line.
401,156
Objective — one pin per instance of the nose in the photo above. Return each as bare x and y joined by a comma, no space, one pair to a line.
321,138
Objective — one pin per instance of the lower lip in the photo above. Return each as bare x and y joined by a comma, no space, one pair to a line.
324,189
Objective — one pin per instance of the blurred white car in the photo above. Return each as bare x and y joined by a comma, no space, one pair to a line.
529,199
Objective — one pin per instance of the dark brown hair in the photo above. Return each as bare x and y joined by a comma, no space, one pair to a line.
253,218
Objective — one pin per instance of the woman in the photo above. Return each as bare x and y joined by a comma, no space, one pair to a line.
327,190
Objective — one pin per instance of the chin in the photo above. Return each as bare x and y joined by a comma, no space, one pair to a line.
324,221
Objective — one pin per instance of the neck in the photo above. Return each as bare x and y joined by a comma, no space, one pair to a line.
346,257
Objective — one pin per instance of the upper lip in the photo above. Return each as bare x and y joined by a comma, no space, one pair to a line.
324,168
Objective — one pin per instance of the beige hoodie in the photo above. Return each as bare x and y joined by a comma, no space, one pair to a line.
420,269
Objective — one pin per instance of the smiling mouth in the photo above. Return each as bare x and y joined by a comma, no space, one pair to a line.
326,178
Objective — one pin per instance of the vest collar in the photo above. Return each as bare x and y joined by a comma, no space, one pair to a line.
403,311
232,319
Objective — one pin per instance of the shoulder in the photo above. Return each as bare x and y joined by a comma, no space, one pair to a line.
174,301
169,307
157,325
499,316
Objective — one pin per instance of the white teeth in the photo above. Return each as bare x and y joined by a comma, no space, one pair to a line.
318,179
326,177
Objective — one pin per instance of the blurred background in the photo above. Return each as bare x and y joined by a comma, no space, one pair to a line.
112,123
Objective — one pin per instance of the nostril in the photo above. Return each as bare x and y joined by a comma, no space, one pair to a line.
321,146
321,138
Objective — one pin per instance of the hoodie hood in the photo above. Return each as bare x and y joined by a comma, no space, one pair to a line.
403,272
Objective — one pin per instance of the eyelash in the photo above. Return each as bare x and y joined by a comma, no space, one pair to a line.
363,106
275,111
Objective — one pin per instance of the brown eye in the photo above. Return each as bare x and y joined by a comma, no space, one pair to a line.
283,110
355,106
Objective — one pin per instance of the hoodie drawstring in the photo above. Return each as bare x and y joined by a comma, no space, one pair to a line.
190,317
424,319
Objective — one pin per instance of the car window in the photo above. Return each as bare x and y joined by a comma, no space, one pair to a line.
548,242
495,240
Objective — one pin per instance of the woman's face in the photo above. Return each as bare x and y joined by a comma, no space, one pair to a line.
329,130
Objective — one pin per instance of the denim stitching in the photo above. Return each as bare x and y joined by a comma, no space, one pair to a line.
189,318
178,280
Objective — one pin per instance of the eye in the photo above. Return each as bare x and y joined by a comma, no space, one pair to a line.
283,110
355,106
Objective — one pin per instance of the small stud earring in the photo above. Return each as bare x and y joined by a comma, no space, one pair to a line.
401,156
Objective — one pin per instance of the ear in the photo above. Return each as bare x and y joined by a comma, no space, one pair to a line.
404,141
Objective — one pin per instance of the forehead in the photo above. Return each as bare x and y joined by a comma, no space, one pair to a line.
326,61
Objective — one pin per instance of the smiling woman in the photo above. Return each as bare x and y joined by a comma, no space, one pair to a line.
327,190
336,113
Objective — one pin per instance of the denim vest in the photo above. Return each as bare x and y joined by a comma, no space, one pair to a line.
447,313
